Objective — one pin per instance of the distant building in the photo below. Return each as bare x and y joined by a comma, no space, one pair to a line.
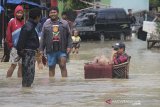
135,5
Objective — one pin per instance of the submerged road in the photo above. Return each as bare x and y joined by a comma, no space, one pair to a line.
141,89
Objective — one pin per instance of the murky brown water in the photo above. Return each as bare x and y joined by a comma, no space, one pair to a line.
141,89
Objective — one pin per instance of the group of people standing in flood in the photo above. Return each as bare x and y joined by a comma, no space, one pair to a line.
24,41
54,42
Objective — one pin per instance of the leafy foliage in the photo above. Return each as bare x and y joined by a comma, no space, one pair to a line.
154,2
74,4
71,5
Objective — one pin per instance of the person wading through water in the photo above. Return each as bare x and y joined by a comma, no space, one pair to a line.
12,35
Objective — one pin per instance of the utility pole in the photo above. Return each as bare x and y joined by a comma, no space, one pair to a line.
4,21
63,4
94,3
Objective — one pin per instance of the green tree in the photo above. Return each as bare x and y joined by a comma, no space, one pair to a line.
70,5
74,4
155,3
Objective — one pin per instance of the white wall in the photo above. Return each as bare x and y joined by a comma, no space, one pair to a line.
135,5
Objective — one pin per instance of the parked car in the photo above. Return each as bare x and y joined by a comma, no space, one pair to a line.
103,23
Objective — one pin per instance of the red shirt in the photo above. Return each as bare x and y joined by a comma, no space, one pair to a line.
120,58
13,25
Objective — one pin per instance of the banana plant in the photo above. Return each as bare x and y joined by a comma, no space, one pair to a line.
74,4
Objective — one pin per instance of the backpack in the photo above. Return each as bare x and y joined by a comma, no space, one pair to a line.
15,36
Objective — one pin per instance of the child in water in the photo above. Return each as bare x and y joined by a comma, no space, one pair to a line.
76,42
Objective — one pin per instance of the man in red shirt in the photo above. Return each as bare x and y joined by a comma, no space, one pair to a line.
12,35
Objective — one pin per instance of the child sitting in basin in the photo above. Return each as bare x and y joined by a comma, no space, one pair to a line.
118,56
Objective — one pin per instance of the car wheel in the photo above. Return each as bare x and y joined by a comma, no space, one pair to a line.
102,37
122,36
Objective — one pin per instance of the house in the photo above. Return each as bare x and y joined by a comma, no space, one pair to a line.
135,5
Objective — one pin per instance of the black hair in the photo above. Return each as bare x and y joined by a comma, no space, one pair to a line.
34,13
54,8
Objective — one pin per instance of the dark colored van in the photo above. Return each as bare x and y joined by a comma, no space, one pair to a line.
103,23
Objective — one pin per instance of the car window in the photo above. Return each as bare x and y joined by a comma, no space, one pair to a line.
100,18
110,15
121,14
78,23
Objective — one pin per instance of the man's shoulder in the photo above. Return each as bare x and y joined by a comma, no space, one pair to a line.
27,26
64,22
47,23
11,21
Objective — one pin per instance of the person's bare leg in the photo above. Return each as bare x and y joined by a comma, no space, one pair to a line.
77,51
73,50
11,70
39,65
19,73
62,65
52,71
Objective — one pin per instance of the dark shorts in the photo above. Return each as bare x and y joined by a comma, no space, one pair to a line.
53,57
75,45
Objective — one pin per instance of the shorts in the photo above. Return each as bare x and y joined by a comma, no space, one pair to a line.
75,45
14,56
53,57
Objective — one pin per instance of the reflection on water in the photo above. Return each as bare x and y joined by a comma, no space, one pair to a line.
142,89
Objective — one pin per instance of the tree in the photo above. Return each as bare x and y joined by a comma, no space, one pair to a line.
69,6
154,3
74,4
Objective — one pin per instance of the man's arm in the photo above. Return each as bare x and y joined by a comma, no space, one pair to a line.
69,39
42,46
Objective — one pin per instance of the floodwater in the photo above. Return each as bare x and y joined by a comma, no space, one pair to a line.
141,89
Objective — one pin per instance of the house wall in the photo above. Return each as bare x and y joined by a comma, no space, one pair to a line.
135,5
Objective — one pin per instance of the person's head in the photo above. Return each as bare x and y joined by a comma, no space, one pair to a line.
129,11
53,13
64,15
18,13
35,14
75,33
119,47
